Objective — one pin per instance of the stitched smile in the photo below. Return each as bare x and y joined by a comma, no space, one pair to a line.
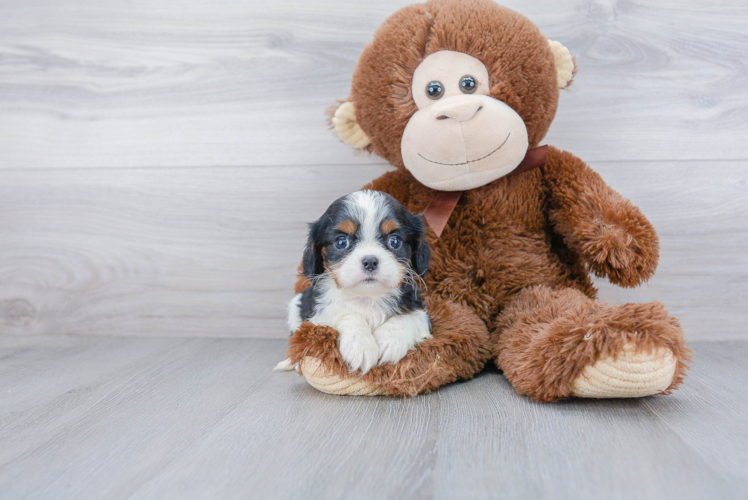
469,161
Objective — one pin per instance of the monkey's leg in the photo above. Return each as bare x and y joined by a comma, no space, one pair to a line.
554,344
458,350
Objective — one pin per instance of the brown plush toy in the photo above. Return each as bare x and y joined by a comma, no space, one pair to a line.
458,94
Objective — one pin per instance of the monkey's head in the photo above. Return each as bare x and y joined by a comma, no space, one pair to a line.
455,91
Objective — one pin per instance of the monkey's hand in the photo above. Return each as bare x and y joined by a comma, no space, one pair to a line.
607,230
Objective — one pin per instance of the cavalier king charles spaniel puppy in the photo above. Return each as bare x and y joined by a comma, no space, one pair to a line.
366,258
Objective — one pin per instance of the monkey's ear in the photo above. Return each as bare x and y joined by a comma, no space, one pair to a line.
347,128
565,64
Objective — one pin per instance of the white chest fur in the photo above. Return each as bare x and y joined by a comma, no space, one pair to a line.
334,303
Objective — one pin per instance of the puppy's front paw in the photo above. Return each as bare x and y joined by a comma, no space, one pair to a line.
359,350
400,334
394,344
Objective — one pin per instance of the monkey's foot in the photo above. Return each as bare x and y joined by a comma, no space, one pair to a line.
627,375
556,344
457,351
332,383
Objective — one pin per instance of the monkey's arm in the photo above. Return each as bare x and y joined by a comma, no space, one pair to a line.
607,230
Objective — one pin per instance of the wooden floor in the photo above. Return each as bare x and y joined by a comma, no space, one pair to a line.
158,162
161,418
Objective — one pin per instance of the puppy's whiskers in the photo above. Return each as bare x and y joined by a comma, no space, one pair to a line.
411,277
318,277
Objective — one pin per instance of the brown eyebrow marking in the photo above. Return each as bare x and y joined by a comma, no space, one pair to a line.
389,225
348,226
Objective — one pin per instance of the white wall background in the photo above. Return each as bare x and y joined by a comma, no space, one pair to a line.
158,159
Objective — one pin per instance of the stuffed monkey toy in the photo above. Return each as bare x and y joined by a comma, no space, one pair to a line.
458,95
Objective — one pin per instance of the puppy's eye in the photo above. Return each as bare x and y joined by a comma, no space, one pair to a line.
342,242
467,84
394,242
434,90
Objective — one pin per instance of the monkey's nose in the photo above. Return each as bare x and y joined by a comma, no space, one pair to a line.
461,109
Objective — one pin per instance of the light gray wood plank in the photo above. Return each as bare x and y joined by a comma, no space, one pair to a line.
570,450
502,445
117,430
208,252
208,419
717,391
35,368
204,82
213,252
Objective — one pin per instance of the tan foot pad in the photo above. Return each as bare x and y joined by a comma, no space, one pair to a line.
631,375
320,379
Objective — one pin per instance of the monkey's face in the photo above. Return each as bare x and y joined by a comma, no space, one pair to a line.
454,91
460,137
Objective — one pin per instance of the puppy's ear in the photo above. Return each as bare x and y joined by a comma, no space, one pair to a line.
312,264
421,252
309,261
422,257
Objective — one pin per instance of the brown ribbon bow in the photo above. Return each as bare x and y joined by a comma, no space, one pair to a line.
444,202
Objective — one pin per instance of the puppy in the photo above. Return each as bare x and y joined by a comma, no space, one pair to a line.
365,258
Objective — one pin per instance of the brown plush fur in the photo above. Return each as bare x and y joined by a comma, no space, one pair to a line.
515,256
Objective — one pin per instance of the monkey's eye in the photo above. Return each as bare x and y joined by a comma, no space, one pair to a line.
467,84
394,242
342,242
434,90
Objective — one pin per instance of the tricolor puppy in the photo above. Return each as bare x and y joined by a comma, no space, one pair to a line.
366,257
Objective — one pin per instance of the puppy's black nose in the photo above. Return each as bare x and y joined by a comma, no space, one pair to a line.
370,263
